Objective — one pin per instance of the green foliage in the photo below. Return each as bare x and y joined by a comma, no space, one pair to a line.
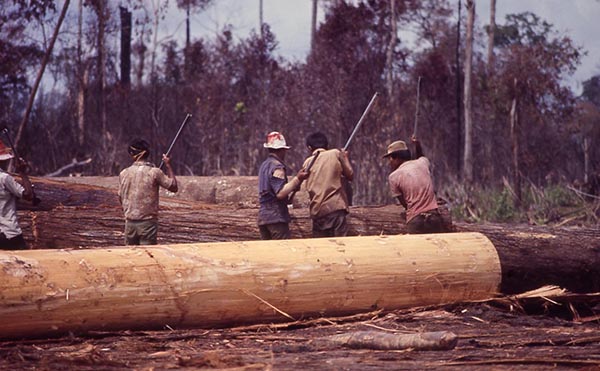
476,204
549,205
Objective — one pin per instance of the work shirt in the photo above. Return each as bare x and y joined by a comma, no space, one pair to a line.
324,184
10,190
271,179
412,182
138,190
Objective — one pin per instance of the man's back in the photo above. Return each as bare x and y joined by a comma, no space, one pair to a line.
412,181
324,185
138,190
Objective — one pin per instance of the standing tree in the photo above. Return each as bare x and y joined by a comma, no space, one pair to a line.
490,30
190,7
532,62
458,89
125,46
468,151
390,51
40,74
313,24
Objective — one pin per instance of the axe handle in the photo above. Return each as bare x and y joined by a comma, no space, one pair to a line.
417,107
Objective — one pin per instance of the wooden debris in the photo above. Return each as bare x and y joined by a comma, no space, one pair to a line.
438,340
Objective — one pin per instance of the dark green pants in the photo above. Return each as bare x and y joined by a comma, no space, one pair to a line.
15,243
141,232
331,225
275,231
427,222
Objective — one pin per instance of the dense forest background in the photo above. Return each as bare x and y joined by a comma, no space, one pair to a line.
494,107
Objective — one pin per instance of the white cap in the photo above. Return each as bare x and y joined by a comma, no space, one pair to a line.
275,140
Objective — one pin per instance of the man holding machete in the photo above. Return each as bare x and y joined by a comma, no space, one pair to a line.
138,194
274,190
411,183
327,194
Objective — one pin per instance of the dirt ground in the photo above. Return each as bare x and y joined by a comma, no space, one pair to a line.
491,335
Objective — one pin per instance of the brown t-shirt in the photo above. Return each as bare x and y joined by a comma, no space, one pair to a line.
412,181
138,190
324,184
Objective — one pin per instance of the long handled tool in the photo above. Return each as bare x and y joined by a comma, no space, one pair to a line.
36,200
310,164
360,121
417,107
185,121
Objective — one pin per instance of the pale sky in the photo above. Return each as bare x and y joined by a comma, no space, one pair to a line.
290,21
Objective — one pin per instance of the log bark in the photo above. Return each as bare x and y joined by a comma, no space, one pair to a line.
438,340
79,215
51,292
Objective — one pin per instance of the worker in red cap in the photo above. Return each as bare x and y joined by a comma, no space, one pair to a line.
274,190
11,235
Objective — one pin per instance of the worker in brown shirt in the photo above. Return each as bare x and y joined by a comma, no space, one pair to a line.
138,194
327,194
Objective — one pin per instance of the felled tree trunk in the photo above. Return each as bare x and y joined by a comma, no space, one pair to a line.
77,215
49,292
438,340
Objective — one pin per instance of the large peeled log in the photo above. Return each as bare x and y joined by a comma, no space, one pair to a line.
47,292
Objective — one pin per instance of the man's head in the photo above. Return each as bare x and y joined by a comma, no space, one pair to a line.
317,140
139,149
276,144
397,153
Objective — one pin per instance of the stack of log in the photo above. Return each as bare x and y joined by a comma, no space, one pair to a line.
75,215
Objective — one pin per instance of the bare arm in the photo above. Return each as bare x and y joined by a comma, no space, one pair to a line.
167,160
418,148
28,188
346,166
292,185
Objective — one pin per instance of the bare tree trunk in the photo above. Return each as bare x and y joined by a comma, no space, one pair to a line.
260,17
125,47
101,13
188,41
82,76
38,78
468,152
458,95
155,23
390,51
491,31
515,147
81,93
313,26
141,52
586,159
